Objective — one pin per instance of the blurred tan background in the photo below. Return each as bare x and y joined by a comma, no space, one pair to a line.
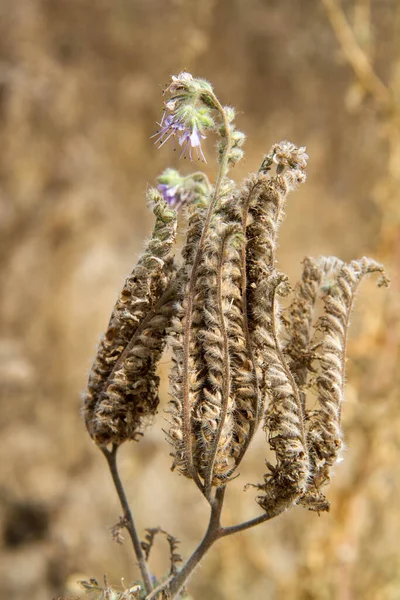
80,94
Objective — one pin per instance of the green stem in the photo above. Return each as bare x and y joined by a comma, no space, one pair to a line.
199,176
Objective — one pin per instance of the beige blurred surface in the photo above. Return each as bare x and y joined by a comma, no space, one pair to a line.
80,93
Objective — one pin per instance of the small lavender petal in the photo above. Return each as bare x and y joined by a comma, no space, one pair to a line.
195,138
169,194
169,126
189,135
192,139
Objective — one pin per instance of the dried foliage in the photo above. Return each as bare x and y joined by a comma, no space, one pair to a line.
236,361
173,543
108,592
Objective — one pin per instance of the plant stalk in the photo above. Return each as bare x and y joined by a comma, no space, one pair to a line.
212,534
111,457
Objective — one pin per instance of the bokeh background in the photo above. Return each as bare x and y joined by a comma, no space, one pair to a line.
80,92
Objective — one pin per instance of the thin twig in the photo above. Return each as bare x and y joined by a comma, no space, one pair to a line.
355,56
252,522
159,588
111,457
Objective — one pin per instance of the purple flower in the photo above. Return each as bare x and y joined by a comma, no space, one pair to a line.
188,134
175,195
192,139
170,126
170,194
178,190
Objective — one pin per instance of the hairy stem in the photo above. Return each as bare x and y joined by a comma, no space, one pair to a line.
227,375
190,297
199,176
111,457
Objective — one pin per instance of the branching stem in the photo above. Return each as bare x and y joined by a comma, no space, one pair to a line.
159,588
214,533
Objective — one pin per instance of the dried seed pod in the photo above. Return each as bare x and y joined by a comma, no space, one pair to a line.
140,314
131,395
244,386
213,418
265,209
265,200
324,432
285,415
298,319
173,543
212,424
284,421
233,210
177,436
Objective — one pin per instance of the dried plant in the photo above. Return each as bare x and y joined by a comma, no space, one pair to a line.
239,360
